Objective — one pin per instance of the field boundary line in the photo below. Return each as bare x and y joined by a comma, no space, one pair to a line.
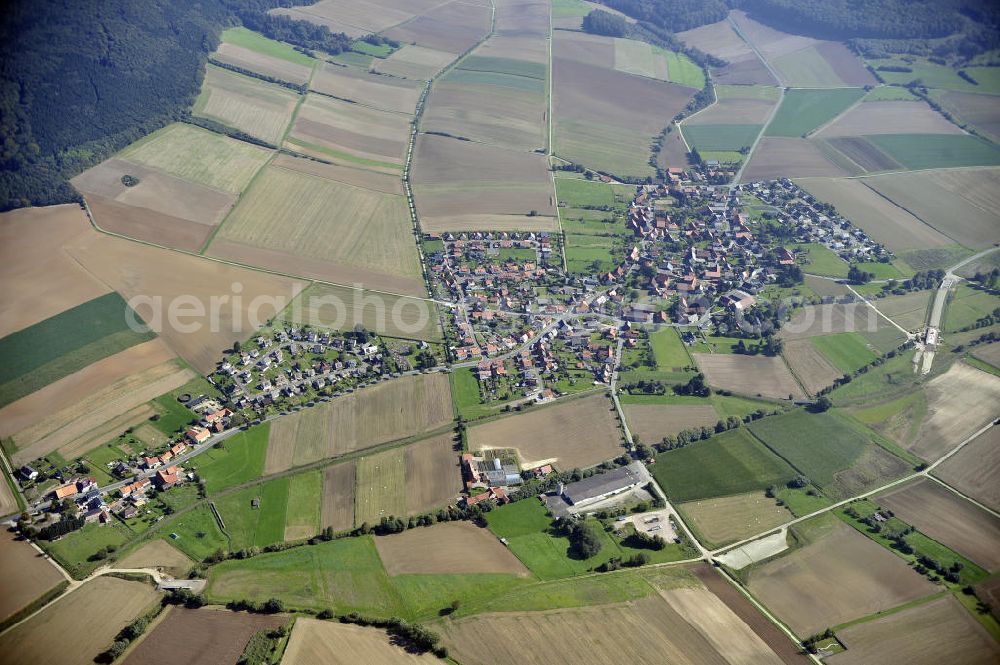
239,199
907,210
962,495
834,119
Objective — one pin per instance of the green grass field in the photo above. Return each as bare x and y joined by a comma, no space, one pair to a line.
256,527
198,533
174,416
240,459
582,251
569,8
729,463
65,343
73,549
302,515
726,138
512,66
575,192
497,79
683,71
254,41
890,93
465,394
821,260
802,110
940,76
669,350
380,51
381,487
847,351
765,92
965,306
928,151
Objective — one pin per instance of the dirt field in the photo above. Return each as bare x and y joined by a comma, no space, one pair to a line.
365,133
749,375
354,18
414,62
261,63
948,519
951,415
960,203
908,310
721,40
889,118
452,27
974,470
89,407
338,497
393,410
447,548
136,270
40,279
381,92
158,554
989,353
260,109
935,632
433,474
25,574
734,111
881,219
784,648
578,433
652,422
809,366
842,575
210,637
148,225
777,157
814,320
457,182
731,518
71,632
678,626
313,642
862,153
980,111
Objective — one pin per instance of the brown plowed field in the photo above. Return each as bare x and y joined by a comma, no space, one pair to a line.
79,626
363,132
974,470
889,118
392,410
678,626
863,153
719,39
158,554
148,225
453,27
839,576
381,92
951,415
845,64
338,497
652,422
749,375
239,56
200,637
734,111
314,642
948,519
433,474
40,279
495,114
447,548
810,366
26,574
941,631
814,320
777,157
414,62
880,218
980,111
577,433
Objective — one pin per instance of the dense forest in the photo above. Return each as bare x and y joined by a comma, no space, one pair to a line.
80,80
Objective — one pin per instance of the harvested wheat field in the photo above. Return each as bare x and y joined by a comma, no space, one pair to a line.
951,415
348,175
889,118
908,310
255,61
974,469
294,222
314,642
460,185
414,62
89,407
838,576
381,487
816,320
433,474
70,631
677,626
781,157
40,279
575,433
337,510
396,409
26,574
447,548
809,366
932,633
380,92
158,554
947,518
145,273
260,109
880,218
8,502
210,637
760,376
652,422
731,518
